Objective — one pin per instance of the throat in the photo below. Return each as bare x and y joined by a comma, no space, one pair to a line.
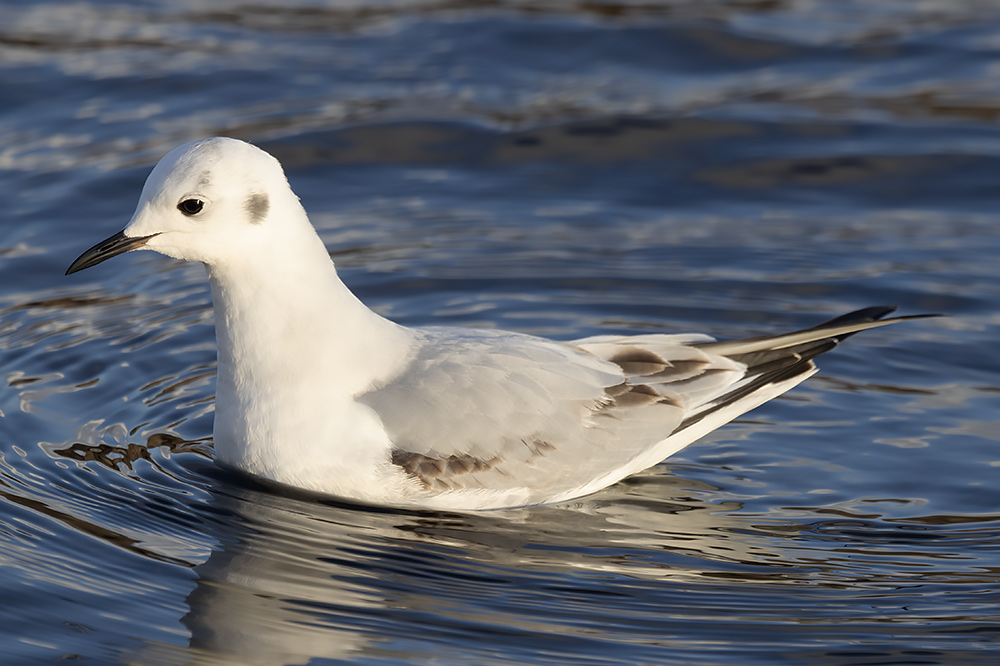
307,333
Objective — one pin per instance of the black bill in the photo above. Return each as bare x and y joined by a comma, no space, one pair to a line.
106,249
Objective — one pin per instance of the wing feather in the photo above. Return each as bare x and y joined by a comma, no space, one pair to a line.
489,412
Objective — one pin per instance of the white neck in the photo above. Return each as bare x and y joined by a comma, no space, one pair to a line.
285,325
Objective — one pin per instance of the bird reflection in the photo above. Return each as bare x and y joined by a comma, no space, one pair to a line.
292,577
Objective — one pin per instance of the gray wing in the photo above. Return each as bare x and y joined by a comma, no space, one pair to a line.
483,410
493,411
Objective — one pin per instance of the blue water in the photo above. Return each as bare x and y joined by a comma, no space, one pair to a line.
563,169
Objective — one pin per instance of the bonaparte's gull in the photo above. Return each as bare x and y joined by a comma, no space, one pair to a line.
318,392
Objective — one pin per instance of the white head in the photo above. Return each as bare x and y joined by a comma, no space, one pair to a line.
209,201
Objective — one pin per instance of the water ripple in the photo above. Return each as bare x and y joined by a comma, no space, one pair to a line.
563,168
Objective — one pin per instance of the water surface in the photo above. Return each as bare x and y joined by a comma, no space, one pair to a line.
560,169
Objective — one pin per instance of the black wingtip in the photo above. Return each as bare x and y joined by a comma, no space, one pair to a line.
858,316
873,313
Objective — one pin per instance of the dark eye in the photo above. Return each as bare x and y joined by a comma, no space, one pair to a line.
191,206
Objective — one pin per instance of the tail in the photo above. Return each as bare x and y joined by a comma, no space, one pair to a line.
776,363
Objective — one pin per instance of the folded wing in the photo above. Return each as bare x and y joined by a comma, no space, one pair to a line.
511,417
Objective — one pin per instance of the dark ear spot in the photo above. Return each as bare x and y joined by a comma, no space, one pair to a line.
257,206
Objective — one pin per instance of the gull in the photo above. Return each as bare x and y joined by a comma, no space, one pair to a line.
318,392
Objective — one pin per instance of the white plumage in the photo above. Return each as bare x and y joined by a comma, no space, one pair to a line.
318,392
